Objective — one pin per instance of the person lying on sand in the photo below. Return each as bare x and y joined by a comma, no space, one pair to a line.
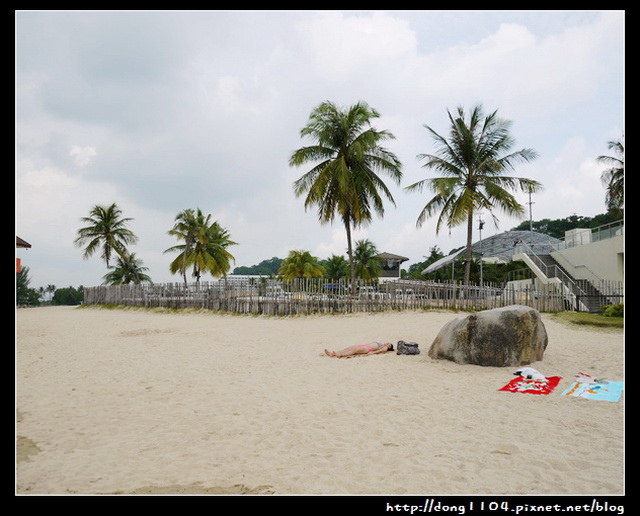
372,348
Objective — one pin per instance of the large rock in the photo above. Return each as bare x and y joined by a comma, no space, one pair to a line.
509,336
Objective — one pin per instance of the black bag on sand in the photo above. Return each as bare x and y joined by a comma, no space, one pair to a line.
407,348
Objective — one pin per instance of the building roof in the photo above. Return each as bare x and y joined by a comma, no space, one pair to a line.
390,256
22,243
502,247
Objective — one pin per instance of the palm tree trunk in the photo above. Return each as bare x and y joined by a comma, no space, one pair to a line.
352,268
469,252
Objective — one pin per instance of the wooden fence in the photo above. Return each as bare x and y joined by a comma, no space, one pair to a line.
268,296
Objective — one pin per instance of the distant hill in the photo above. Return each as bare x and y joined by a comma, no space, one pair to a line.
265,268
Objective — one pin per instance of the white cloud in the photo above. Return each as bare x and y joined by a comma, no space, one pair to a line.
82,155
343,46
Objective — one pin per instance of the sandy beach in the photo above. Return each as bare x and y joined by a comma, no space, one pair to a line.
142,402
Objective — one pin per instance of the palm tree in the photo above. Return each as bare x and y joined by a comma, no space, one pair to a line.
205,247
51,289
613,177
472,162
127,270
106,231
344,182
185,228
210,252
367,266
300,264
336,267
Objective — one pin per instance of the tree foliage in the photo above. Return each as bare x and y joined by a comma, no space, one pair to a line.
367,266
472,163
300,264
613,178
347,155
205,246
68,296
127,270
105,232
557,227
336,267
264,268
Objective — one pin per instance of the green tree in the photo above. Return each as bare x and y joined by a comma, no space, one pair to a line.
185,228
472,162
205,245
300,264
127,270
415,270
68,296
213,256
344,182
25,296
106,231
265,268
557,227
336,267
367,266
613,178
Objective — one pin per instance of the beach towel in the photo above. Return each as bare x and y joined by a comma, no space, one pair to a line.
602,390
529,386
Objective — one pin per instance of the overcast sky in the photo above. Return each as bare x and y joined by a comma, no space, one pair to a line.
163,111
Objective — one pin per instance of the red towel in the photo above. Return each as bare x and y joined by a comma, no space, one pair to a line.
521,384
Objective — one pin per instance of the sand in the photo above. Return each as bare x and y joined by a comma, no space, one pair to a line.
141,402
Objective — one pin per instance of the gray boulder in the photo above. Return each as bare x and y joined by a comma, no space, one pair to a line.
509,336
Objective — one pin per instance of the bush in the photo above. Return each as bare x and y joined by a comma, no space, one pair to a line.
613,310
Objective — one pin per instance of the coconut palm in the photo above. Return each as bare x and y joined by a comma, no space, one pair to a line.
185,228
472,163
367,266
336,267
344,182
106,231
127,270
50,290
300,264
210,252
205,245
613,177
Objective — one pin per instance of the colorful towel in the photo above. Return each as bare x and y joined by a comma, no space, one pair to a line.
603,390
521,384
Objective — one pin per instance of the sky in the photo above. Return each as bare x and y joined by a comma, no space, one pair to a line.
161,111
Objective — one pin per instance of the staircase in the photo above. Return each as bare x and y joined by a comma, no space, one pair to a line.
588,297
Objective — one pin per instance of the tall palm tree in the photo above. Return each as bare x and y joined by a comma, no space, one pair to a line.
106,231
300,264
367,266
205,245
472,163
613,177
127,270
344,182
185,228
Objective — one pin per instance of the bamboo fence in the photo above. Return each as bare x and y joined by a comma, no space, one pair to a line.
267,296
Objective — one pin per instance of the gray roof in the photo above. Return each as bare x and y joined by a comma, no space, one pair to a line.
391,256
502,247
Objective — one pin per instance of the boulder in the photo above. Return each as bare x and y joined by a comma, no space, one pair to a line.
509,336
